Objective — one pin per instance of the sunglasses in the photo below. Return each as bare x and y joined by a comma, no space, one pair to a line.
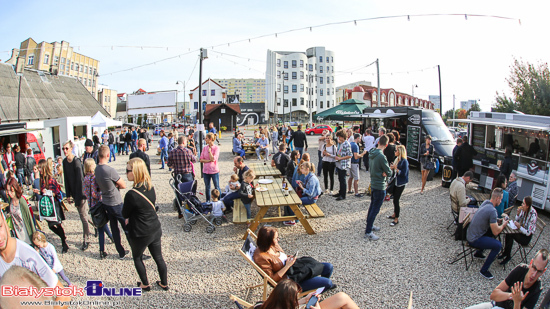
66,148
128,171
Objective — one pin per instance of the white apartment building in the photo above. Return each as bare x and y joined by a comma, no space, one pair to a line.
248,90
299,84
212,93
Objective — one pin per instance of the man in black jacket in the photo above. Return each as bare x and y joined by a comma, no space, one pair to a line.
140,153
465,155
300,140
20,162
128,141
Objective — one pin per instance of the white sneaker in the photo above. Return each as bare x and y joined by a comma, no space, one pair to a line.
327,192
331,193
371,236
375,228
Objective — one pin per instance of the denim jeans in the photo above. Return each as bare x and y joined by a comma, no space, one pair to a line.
320,164
112,153
486,242
134,145
163,156
306,200
300,150
229,198
377,199
275,146
319,281
215,179
115,215
266,152
101,234
342,180
240,153
247,207
20,175
126,145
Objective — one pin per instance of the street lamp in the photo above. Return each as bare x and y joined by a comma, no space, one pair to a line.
284,115
179,82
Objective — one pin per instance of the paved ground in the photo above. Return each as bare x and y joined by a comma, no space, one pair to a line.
204,269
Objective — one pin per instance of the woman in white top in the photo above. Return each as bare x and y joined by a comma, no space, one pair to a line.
320,151
329,163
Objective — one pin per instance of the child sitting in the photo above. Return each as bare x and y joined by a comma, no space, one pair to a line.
233,185
217,206
247,191
47,251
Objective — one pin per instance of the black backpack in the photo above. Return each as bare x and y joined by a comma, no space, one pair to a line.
111,139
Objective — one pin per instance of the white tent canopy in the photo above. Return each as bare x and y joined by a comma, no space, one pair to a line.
100,121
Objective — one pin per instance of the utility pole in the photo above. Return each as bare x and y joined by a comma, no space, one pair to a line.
378,80
440,96
284,115
19,99
453,110
203,55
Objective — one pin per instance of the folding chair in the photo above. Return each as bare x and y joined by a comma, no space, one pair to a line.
531,245
247,251
467,250
241,303
454,204
410,301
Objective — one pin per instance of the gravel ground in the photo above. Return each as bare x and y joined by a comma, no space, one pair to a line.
204,269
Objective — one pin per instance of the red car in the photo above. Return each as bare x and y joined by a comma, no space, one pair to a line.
318,129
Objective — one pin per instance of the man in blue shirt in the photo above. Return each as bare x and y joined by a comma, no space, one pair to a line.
355,161
163,145
212,129
134,139
262,146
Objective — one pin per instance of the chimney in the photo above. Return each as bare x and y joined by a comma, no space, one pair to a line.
20,65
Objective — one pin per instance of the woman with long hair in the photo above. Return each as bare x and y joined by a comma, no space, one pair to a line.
526,222
501,183
209,157
144,230
48,182
402,178
389,152
297,175
292,164
426,160
19,210
270,257
285,296
397,137
329,152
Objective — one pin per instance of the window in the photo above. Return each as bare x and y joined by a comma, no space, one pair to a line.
278,87
327,59
278,62
85,81
301,74
320,79
213,102
321,69
105,98
286,65
293,63
86,69
320,58
81,67
285,89
333,79
46,59
321,104
302,101
294,88
331,59
212,92
196,105
383,98
30,61
62,67
204,93
301,87
278,101
328,69
55,60
72,66
294,75
301,63
321,92
285,76
328,103
286,103
278,74
294,102
311,67
332,69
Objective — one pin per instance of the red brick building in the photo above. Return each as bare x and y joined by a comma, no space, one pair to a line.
388,97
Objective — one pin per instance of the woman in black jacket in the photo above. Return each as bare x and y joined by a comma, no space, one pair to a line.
506,165
144,230
426,160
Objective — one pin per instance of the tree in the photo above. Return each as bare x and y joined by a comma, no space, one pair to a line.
475,108
461,113
530,86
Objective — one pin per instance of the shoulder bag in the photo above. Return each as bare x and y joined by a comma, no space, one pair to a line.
97,213
145,197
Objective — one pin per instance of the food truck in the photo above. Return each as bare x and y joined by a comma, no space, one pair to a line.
490,133
414,124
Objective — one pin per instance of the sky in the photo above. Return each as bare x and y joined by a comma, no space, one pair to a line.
474,53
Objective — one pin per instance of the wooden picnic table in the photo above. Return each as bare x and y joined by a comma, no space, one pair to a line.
263,170
274,197
479,196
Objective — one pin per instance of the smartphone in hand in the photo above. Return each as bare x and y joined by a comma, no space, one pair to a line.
312,301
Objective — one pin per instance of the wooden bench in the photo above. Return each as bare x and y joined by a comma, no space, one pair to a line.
239,212
314,211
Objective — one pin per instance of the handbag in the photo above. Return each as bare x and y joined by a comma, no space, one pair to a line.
48,209
98,215
304,268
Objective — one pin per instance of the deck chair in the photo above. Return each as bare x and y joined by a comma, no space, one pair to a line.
524,251
454,214
410,301
467,250
241,303
247,251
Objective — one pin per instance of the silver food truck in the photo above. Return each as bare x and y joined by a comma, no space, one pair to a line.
414,124
490,133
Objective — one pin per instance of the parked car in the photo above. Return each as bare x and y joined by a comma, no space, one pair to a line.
318,129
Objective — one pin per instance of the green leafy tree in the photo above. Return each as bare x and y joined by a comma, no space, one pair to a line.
530,86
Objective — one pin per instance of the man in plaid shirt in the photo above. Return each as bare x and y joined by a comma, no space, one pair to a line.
343,163
181,160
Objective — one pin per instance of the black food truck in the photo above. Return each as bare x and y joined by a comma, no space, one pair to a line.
413,124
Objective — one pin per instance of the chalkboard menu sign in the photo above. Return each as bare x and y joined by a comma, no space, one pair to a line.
478,140
413,141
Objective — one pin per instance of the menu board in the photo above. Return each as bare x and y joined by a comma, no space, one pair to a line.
413,141
478,139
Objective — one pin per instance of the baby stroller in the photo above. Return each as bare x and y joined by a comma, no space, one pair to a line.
191,207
